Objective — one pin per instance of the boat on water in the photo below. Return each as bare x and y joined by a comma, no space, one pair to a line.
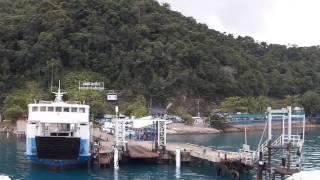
58,132
305,175
3,177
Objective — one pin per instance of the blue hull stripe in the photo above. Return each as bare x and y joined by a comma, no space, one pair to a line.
80,160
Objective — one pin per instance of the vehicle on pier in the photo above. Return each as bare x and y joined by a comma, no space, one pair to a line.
58,132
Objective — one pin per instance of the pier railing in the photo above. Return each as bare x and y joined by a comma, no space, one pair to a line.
251,157
295,140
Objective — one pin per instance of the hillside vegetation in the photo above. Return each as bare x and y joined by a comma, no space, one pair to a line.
146,49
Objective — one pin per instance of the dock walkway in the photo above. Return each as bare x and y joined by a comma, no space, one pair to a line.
144,149
204,153
141,150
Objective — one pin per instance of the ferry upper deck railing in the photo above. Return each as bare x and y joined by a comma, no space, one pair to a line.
45,102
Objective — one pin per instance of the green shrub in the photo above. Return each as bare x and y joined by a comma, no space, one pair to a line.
218,121
187,119
138,108
13,113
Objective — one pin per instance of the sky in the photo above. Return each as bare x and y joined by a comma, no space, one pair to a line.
287,22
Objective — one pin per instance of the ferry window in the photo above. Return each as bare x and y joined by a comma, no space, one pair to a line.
58,109
43,108
50,109
66,109
82,110
34,108
74,109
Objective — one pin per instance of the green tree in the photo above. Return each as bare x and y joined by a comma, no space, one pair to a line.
311,103
292,100
245,104
234,104
181,111
14,113
263,102
138,108
143,47
218,121
188,119
15,101
16,104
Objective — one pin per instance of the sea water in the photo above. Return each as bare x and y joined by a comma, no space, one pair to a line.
14,164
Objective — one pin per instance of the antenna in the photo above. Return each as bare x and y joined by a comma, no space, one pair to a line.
150,106
51,83
198,103
245,136
59,87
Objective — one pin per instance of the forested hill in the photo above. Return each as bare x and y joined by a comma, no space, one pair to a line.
146,48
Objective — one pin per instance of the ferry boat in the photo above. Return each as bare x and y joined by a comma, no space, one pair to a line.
58,132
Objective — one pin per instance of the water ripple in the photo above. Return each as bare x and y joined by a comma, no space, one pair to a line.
14,163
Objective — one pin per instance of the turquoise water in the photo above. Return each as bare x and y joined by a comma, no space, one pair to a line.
14,164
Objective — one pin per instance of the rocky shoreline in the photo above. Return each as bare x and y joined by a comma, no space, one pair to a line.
180,128
7,127
12,128
260,126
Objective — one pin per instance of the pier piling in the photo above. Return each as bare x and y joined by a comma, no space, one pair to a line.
178,157
115,158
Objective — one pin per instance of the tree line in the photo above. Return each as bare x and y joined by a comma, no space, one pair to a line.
145,48
310,101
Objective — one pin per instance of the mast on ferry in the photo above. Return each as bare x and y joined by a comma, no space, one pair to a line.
59,95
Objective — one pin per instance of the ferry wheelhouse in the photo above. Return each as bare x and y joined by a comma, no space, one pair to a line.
58,132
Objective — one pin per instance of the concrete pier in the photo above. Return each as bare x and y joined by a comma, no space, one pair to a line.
228,163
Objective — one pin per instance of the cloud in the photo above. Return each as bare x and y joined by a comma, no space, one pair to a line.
243,16
214,22
273,21
293,22
233,16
